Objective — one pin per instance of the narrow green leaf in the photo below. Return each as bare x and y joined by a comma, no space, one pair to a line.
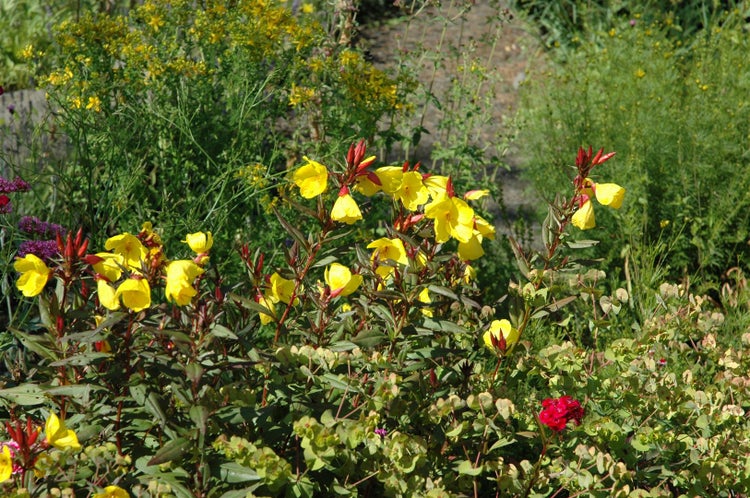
171,451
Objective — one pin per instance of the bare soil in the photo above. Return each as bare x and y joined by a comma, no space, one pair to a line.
515,51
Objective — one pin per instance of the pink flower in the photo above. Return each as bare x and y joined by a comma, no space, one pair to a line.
557,412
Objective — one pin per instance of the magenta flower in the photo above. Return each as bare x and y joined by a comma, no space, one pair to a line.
557,412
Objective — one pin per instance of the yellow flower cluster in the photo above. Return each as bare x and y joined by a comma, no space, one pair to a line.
452,217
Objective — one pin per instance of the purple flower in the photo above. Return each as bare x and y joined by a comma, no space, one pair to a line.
43,249
16,185
632,22
12,109
34,226
381,432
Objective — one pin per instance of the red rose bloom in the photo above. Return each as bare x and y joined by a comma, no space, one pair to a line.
558,412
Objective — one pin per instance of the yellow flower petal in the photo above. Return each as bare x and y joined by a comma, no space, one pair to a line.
107,295
312,179
34,275
584,217
199,242
6,464
346,210
112,492
135,294
610,194
58,435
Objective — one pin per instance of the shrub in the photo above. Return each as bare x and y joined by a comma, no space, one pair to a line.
677,116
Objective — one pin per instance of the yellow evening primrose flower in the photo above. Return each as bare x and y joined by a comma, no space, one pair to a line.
112,492
484,227
340,280
365,186
107,295
412,193
473,195
129,247
199,242
281,289
388,250
498,327
311,178
609,194
58,435
471,250
453,218
180,276
34,274
268,316
135,294
584,218
424,297
110,267
437,186
6,464
390,178
346,210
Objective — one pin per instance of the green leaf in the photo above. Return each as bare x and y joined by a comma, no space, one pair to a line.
581,244
24,395
221,332
234,472
171,451
466,467
443,291
369,339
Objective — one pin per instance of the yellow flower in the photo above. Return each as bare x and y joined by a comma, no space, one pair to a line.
340,280
6,464
609,194
107,295
584,218
180,277
504,328
94,104
390,178
388,250
471,250
110,266
453,218
135,294
424,297
199,242
281,289
365,185
58,435
34,274
412,193
437,186
129,247
269,315
312,179
112,492
345,209
473,195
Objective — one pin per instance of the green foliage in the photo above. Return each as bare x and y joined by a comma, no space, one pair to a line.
677,118
566,23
